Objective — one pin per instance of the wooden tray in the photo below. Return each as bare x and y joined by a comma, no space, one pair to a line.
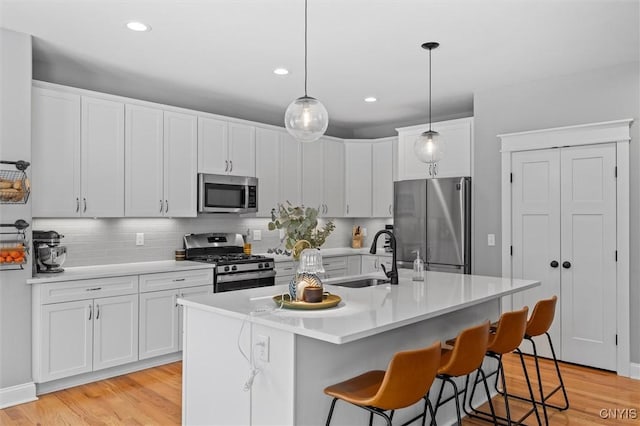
328,301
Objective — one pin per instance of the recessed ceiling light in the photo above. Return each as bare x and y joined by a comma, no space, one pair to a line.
370,99
138,26
281,71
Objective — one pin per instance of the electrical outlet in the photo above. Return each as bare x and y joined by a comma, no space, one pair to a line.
364,232
257,235
491,240
140,238
262,348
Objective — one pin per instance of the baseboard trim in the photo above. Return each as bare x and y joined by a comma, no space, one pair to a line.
18,394
82,379
634,371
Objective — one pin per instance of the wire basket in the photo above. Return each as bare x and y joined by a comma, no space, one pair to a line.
13,253
14,187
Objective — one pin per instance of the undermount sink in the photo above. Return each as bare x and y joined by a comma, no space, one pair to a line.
362,282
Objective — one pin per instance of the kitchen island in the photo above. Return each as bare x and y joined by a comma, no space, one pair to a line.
246,361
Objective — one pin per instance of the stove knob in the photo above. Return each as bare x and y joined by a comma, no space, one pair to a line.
234,268
259,265
226,268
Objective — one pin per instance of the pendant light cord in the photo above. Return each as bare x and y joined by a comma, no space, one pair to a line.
429,88
305,48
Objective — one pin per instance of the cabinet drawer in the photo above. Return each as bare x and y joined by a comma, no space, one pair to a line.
333,263
67,291
170,280
285,268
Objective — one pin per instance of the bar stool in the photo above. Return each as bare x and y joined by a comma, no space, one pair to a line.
406,381
465,358
506,338
539,323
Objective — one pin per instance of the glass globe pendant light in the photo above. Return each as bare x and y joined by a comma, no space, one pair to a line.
429,146
306,119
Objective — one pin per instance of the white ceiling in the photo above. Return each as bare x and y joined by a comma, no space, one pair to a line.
218,55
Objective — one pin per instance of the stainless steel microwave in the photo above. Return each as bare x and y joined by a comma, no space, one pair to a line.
227,194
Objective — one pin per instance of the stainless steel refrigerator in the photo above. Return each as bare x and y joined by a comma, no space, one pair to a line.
434,216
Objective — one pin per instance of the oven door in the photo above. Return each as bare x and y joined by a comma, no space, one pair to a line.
243,280
226,194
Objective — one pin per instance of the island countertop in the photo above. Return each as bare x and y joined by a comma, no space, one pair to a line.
363,311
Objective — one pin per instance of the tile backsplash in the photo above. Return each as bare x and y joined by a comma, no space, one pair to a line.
107,241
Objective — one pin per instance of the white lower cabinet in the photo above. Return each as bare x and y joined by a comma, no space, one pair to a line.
87,335
371,263
284,272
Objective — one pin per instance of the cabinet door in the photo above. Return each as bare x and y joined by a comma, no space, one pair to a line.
115,331
358,179
158,323
143,162
267,170
313,175
369,264
67,339
354,265
382,194
242,150
213,156
290,170
457,155
185,292
333,178
102,152
588,229
55,152
535,195
180,165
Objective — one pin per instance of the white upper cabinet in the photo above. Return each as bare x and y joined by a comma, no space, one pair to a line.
278,170
78,155
323,177
226,147
180,164
161,163
382,175
458,138
144,189
55,151
358,179
267,170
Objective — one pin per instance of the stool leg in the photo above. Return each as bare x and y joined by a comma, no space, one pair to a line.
526,376
555,361
333,404
504,387
370,419
455,392
439,397
537,364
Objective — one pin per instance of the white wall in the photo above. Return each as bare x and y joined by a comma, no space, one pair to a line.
15,144
594,96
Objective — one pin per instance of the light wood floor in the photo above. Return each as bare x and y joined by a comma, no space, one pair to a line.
153,397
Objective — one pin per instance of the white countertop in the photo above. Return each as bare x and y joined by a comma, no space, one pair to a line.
363,311
331,252
115,270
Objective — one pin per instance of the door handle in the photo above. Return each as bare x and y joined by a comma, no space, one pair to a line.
77,204
347,208
554,263
231,168
97,311
161,206
226,165
85,205
390,205
566,264
90,312
166,206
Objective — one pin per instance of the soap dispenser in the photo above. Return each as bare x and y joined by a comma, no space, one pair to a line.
418,267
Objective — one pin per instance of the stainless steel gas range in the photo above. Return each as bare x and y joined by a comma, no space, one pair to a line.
234,270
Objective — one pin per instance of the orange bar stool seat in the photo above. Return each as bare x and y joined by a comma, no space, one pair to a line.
539,324
506,338
465,358
406,381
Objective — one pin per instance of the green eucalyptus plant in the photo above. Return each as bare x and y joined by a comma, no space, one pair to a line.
299,223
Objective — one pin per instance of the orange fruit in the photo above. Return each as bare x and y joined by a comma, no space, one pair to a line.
15,254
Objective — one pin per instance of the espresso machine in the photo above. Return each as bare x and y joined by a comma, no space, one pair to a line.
49,255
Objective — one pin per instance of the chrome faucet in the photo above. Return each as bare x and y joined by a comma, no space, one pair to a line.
393,273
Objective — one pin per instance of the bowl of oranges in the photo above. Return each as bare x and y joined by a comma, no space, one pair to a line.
12,255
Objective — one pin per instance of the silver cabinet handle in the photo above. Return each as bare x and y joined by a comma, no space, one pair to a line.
85,205
97,311
390,205
161,206
326,209
226,165
347,208
90,311
94,289
231,168
179,279
77,204
166,206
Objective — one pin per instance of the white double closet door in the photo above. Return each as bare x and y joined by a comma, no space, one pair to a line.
564,234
